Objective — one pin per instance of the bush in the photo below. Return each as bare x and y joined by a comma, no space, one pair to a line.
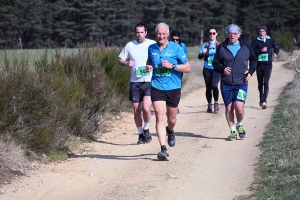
45,104
285,41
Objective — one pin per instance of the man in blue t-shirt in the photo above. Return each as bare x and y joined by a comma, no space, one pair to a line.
167,61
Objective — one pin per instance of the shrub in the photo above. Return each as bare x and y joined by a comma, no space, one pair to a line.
43,105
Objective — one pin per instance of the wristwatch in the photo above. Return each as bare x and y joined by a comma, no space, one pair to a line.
175,67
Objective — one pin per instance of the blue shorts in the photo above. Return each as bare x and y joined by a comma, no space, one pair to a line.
232,93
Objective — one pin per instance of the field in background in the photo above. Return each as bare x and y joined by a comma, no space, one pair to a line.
32,54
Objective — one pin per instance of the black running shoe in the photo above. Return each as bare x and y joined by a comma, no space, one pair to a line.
171,137
209,108
241,131
141,139
147,136
163,155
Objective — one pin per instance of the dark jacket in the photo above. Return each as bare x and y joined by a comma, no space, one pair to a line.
238,64
265,58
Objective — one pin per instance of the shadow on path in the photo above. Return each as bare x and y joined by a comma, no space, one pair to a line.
187,134
114,157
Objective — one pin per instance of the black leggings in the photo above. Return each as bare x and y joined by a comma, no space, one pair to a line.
263,73
211,79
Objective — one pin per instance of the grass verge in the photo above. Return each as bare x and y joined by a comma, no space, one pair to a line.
278,168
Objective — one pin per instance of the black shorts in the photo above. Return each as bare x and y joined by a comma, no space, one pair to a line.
138,90
171,97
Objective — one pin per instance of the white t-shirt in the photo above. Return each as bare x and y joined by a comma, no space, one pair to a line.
138,52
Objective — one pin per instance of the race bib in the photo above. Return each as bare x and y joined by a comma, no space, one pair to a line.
141,71
162,72
209,61
242,95
263,57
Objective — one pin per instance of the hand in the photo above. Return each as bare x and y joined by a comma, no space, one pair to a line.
274,55
149,68
204,50
248,75
227,71
130,63
265,49
166,64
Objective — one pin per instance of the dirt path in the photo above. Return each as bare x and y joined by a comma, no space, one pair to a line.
202,164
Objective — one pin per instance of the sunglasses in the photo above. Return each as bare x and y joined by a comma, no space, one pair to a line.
233,34
175,40
212,33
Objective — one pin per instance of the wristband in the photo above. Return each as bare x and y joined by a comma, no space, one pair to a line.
175,67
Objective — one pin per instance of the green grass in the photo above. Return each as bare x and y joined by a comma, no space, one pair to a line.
278,168
32,55
193,52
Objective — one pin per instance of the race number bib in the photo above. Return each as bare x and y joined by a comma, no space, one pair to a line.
242,95
209,61
141,71
162,72
263,57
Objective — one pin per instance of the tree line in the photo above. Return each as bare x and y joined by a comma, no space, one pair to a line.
72,23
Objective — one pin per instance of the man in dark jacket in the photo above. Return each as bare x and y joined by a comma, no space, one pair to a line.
231,60
262,46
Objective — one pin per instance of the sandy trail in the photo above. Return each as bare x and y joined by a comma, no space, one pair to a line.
202,164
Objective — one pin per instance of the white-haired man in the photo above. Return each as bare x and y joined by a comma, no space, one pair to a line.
168,61
231,60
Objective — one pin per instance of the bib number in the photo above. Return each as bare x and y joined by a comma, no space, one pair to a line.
242,95
162,72
141,71
263,57
209,61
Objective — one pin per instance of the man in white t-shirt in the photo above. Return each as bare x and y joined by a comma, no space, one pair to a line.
135,55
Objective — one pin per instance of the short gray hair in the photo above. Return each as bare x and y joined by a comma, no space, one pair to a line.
162,24
233,27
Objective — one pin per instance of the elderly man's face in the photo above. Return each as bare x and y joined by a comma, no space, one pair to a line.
162,34
233,36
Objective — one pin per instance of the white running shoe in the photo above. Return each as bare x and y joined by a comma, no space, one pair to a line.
264,105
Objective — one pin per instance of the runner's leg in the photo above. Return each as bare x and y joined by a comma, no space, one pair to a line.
215,81
260,81
267,76
160,110
207,75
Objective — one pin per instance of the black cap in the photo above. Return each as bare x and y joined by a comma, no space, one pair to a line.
263,27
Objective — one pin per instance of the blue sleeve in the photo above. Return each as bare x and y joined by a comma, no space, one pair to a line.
184,48
181,56
202,47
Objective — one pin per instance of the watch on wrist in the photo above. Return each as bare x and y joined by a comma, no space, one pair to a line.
175,67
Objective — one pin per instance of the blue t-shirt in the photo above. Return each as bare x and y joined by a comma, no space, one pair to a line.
163,78
211,50
234,48
183,46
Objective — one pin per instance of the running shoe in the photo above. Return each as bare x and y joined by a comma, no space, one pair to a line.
232,136
264,105
163,155
209,108
147,136
141,139
260,104
171,137
241,131
216,108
